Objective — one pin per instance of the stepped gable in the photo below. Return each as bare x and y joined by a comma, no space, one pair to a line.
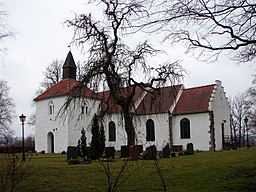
64,87
194,100
159,101
113,107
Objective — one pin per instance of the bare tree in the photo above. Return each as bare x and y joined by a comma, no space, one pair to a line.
7,110
251,105
5,30
52,75
238,113
112,65
209,26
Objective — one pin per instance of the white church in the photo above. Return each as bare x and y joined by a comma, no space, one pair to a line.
178,116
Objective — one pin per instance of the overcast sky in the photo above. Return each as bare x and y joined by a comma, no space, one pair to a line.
42,37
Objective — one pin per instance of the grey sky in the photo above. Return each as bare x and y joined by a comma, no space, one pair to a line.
42,37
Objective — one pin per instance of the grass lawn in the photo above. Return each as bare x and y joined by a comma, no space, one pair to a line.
204,171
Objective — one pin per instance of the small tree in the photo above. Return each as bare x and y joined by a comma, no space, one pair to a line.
98,138
13,172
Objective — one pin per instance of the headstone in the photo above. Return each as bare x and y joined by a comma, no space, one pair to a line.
166,151
72,152
190,149
109,152
177,148
125,151
135,151
150,153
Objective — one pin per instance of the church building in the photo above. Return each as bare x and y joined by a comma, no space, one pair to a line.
178,116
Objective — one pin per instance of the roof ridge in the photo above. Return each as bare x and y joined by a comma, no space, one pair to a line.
200,86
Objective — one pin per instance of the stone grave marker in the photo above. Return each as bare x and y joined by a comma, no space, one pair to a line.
150,153
190,149
72,152
166,152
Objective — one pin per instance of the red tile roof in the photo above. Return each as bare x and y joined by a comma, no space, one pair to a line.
113,107
159,101
64,87
194,100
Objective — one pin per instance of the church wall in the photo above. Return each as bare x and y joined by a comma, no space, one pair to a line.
81,117
199,127
160,124
66,130
121,138
221,110
46,123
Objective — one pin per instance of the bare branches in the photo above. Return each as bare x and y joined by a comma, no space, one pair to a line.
209,25
112,65
7,109
5,30
13,172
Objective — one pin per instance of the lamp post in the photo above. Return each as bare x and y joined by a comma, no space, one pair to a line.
23,119
246,121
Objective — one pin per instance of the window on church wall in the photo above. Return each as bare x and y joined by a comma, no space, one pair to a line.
150,130
184,128
112,131
51,108
84,109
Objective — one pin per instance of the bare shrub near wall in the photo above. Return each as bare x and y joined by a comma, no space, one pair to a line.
13,171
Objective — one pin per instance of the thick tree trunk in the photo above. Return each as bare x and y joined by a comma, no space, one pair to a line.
129,127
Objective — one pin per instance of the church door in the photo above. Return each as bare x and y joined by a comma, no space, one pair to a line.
50,143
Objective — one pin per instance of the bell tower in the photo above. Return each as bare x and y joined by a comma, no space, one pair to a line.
69,67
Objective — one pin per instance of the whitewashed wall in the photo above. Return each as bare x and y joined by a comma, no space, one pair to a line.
79,121
199,131
161,123
46,123
66,132
220,107
161,130
121,137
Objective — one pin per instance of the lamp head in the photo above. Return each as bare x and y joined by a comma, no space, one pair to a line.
22,118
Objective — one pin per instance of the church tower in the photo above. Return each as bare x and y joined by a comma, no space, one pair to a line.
69,67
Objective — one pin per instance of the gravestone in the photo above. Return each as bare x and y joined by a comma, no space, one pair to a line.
109,152
135,151
150,153
125,151
177,148
190,149
166,152
72,152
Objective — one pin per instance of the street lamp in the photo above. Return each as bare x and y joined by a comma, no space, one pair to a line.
246,121
23,119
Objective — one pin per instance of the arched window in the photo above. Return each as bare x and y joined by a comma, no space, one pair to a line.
150,130
84,109
112,131
51,108
184,128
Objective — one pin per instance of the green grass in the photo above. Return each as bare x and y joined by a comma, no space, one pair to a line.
204,171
